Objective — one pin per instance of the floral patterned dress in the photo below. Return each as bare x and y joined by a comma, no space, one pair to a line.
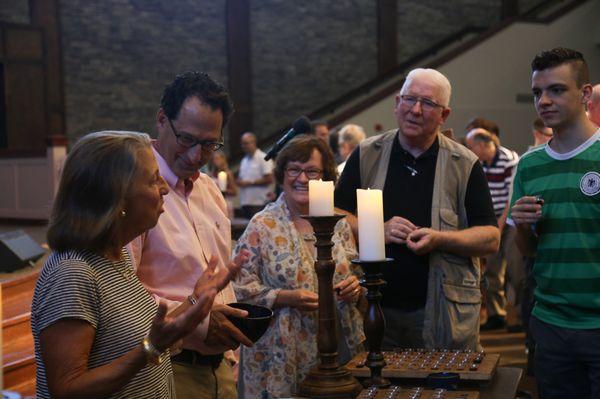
282,357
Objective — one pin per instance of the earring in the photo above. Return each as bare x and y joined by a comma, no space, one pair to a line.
123,214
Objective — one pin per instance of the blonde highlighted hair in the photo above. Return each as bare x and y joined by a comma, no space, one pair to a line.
94,183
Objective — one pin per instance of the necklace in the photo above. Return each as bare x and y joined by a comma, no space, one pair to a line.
121,267
124,270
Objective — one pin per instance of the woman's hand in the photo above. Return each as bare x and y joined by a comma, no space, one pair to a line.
299,298
211,278
168,329
349,289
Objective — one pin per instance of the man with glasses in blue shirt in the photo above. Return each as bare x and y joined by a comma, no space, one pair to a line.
193,232
438,219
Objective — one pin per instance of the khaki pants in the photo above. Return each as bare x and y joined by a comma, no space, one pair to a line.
202,382
507,261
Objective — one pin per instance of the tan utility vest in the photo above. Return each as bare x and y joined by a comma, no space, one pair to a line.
453,295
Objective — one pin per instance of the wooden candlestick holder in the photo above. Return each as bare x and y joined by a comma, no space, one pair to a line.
328,379
374,322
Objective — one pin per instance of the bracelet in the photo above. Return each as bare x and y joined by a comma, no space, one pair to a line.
192,299
153,355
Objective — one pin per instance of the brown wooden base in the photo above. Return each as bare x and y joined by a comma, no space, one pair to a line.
330,384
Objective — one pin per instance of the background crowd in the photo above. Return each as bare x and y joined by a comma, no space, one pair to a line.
133,301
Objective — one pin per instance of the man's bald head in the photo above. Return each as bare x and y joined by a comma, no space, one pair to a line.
594,105
248,142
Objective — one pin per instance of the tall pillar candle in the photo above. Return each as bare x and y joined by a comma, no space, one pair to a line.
320,198
371,237
222,180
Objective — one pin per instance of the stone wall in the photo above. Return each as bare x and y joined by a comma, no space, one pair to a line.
14,11
306,54
119,54
424,23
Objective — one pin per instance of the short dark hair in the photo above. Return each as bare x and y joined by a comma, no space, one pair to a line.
319,122
299,149
196,84
483,123
559,56
334,144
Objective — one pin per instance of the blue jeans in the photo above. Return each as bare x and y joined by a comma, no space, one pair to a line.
567,361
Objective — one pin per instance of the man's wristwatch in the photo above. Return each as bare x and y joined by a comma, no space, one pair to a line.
152,354
192,299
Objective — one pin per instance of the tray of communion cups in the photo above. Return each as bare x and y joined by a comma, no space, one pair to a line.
420,363
396,392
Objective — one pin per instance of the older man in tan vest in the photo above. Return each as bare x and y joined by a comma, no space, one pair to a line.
438,219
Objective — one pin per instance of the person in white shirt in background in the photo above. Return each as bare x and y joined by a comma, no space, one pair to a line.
350,136
254,178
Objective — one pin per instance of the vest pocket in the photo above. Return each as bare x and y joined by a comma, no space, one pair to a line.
461,305
461,294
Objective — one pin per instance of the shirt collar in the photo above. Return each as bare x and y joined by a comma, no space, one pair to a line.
170,177
432,151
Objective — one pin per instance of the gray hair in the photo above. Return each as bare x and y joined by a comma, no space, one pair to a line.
352,134
483,136
94,183
433,76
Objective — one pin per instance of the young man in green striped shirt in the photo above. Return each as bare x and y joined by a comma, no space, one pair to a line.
556,208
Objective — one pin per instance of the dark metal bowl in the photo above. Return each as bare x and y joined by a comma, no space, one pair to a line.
257,322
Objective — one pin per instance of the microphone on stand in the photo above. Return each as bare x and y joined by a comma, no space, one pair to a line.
300,126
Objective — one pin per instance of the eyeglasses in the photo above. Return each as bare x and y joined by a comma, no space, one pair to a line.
189,142
311,173
426,104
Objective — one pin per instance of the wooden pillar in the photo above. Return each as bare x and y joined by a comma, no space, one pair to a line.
44,14
386,35
239,71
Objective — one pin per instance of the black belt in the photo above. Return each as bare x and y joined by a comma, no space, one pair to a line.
188,356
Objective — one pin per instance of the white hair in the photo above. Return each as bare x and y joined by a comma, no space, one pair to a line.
352,134
432,76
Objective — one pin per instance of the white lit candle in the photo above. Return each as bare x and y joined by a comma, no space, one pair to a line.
222,179
371,238
320,198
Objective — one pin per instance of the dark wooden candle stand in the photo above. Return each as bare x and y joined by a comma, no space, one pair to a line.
374,323
327,379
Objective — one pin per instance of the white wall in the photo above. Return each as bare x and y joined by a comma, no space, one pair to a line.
28,185
487,78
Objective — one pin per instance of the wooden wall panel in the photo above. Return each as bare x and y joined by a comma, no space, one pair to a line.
239,71
23,43
25,106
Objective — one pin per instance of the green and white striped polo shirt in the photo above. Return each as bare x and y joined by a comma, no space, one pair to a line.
567,267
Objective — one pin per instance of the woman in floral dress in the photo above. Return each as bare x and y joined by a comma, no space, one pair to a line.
280,275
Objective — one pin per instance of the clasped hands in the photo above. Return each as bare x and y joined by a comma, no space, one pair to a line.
420,240
168,329
347,290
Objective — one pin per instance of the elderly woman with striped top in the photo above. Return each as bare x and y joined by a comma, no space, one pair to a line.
97,331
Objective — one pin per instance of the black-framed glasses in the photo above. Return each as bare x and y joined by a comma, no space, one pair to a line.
189,142
426,104
311,173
